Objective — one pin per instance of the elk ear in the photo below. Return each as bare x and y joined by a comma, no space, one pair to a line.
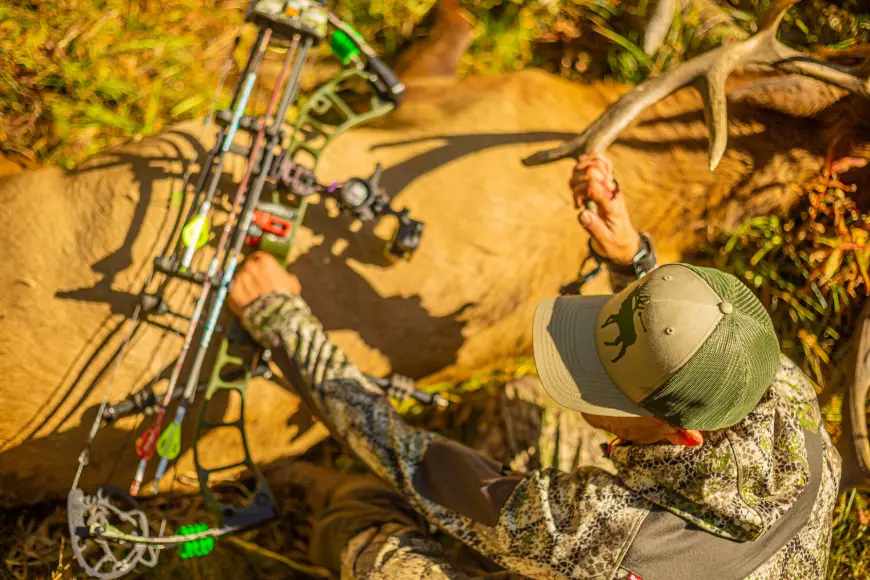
793,95
438,54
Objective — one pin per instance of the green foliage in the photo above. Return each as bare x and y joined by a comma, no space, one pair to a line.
78,75
816,22
810,268
850,550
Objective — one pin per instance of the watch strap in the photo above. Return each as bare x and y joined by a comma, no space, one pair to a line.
643,262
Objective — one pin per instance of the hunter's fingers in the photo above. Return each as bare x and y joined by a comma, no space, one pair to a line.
263,273
593,181
588,158
595,171
260,256
615,211
595,191
584,166
241,286
595,226
241,293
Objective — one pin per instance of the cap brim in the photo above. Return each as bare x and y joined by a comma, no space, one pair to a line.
567,358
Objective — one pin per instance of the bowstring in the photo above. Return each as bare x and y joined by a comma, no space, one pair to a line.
312,60
84,456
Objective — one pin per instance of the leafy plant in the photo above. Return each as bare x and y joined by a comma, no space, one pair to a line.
810,268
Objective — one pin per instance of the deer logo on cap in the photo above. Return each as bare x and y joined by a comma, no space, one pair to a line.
624,320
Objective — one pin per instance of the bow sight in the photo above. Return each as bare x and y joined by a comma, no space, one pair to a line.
109,533
364,200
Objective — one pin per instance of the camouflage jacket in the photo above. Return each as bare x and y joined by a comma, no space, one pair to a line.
755,501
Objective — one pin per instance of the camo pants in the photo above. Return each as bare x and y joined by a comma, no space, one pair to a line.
366,530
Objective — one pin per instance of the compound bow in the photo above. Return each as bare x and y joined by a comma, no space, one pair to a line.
110,520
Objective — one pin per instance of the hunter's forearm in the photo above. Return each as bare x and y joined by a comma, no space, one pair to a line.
356,411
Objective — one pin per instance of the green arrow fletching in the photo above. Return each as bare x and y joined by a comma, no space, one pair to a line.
169,444
195,233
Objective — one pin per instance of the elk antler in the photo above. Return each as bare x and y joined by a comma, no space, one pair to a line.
709,72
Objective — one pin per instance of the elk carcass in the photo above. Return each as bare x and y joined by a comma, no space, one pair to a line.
500,235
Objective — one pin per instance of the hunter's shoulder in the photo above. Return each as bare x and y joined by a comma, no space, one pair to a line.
798,392
790,378
602,513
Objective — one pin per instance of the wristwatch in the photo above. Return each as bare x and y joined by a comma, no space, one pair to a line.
642,263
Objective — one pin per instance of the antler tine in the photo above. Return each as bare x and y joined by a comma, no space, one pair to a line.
606,128
709,72
773,16
850,78
760,48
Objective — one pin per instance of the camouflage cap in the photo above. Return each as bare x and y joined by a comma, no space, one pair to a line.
690,345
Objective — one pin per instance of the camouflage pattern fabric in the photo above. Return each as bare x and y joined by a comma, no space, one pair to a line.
567,521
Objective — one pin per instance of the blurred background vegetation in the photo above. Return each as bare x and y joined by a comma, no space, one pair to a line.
77,76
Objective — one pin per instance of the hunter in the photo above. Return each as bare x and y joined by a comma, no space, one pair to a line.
723,467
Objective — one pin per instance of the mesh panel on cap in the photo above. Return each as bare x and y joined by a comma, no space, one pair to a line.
730,372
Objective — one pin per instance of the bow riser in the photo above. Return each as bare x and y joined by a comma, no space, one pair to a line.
98,518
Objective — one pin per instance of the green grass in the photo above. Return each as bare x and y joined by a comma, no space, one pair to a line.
850,548
77,76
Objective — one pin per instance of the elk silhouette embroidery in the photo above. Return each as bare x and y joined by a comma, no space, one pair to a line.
624,320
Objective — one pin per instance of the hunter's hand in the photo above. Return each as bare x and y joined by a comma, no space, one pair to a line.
259,275
613,235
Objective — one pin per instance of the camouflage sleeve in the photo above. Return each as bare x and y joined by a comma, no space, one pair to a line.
356,411
552,524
